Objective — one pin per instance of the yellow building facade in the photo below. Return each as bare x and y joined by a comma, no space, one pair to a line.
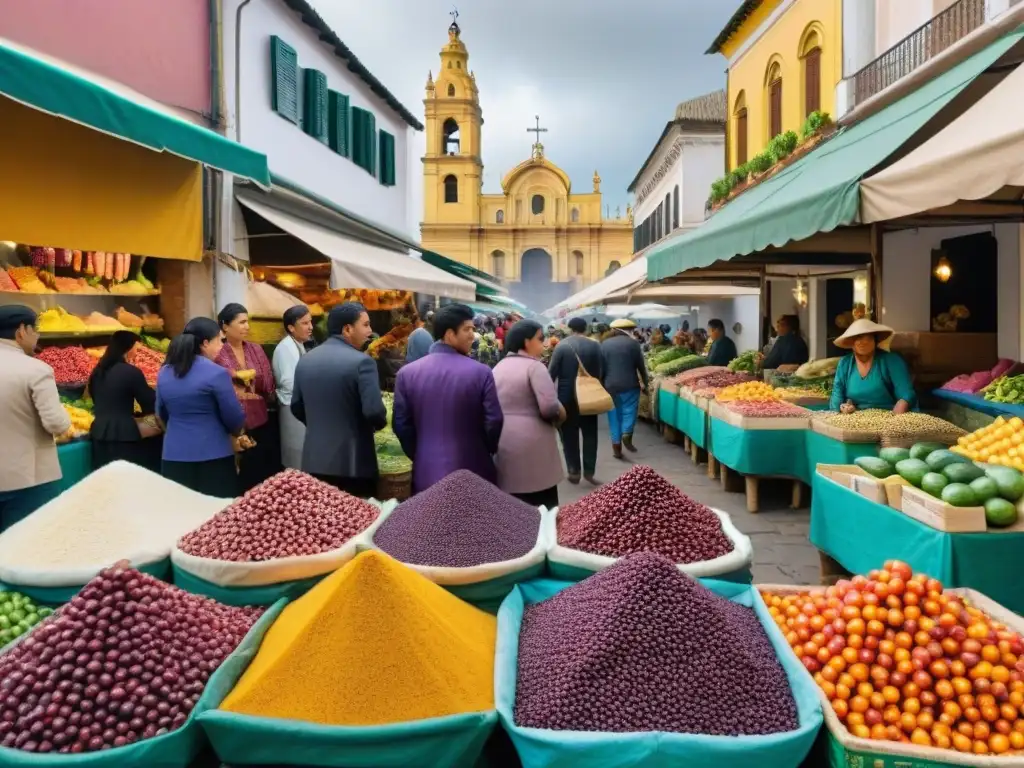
785,59
541,237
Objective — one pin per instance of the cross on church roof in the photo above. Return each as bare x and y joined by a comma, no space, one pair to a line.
538,130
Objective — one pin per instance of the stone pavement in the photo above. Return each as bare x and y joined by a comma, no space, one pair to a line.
782,553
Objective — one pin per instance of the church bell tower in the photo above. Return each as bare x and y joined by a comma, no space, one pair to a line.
452,165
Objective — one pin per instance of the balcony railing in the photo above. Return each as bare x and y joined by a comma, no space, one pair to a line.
918,47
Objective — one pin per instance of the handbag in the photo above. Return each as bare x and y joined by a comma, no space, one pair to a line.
592,398
148,427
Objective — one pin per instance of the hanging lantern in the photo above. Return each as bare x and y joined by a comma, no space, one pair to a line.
800,293
943,270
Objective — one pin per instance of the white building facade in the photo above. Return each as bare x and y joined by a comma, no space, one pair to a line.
337,141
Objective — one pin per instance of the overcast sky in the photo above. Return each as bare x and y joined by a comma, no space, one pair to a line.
604,76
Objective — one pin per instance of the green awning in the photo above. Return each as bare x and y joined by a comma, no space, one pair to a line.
486,284
46,86
820,191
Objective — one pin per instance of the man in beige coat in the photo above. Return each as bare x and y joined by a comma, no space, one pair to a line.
30,417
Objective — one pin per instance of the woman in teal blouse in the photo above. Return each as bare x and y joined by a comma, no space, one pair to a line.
870,377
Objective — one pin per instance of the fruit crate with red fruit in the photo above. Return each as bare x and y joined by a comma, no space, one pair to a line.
910,673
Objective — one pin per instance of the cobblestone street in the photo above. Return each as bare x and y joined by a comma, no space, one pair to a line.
782,553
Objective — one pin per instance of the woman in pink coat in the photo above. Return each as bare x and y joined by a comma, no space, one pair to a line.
528,460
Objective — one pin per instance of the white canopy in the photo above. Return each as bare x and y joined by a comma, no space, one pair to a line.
675,294
974,156
356,264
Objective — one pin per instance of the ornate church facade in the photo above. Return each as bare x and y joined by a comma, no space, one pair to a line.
539,236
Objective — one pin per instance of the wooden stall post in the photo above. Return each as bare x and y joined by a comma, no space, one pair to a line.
876,272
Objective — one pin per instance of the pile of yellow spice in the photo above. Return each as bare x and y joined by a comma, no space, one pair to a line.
374,643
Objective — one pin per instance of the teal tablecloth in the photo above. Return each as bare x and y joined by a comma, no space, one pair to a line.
75,462
762,452
860,535
692,422
667,403
821,449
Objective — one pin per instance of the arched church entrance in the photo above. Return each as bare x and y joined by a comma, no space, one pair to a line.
537,287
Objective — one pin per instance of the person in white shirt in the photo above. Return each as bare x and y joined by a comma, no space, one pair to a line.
298,323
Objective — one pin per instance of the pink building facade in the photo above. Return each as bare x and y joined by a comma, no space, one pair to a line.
160,48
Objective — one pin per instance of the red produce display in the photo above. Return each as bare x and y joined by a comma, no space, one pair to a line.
71,365
126,660
290,514
147,360
766,409
642,512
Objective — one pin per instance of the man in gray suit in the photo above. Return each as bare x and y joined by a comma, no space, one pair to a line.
564,367
337,396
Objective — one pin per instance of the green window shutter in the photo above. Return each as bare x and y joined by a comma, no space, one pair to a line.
284,74
387,159
340,123
364,140
314,118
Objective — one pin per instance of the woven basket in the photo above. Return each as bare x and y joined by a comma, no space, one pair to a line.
946,438
397,486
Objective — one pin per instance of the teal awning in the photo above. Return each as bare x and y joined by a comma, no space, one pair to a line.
486,284
48,87
820,191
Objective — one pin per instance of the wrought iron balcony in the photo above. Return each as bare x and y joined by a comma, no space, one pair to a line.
921,45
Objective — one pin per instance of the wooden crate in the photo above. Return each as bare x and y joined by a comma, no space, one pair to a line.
843,435
888,491
936,513
722,413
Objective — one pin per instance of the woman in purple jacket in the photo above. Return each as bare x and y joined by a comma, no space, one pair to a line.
528,460
196,401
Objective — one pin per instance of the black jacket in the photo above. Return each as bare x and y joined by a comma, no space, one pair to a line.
337,396
788,349
114,395
564,366
723,351
624,366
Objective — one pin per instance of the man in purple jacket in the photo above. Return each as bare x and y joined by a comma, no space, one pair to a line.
446,414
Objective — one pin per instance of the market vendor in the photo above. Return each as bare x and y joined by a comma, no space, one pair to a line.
789,347
723,349
870,377
31,417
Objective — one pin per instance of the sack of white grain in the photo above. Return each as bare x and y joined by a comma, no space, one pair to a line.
119,512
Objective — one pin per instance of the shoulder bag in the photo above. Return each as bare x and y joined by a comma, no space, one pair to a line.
591,398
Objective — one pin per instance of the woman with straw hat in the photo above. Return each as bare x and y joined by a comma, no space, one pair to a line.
871,376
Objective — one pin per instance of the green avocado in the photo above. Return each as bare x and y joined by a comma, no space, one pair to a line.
939,460
1009,480
922,450
912,470
894,455
959,495
874,466
1000,513
984,488
962,473
933,483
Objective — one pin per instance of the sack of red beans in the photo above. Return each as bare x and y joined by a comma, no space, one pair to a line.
468,536
643,512
277,541
640,666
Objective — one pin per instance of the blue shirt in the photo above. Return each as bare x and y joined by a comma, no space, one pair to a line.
201,410
418,345
887,382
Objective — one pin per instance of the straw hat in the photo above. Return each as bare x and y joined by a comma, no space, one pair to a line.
623,323
864,327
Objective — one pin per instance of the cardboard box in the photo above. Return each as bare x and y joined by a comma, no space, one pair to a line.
888,491
936,513
843,474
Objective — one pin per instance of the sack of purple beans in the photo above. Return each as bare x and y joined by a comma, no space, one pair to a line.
694,665
468,536
643,512
277,541
117,676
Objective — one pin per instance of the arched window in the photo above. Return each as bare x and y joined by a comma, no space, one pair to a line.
498,264
740,127
614,265
810,55
668,214
537,204
499,217
675,207
577,257
451,189
451,90
575,215
773,84
450,140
